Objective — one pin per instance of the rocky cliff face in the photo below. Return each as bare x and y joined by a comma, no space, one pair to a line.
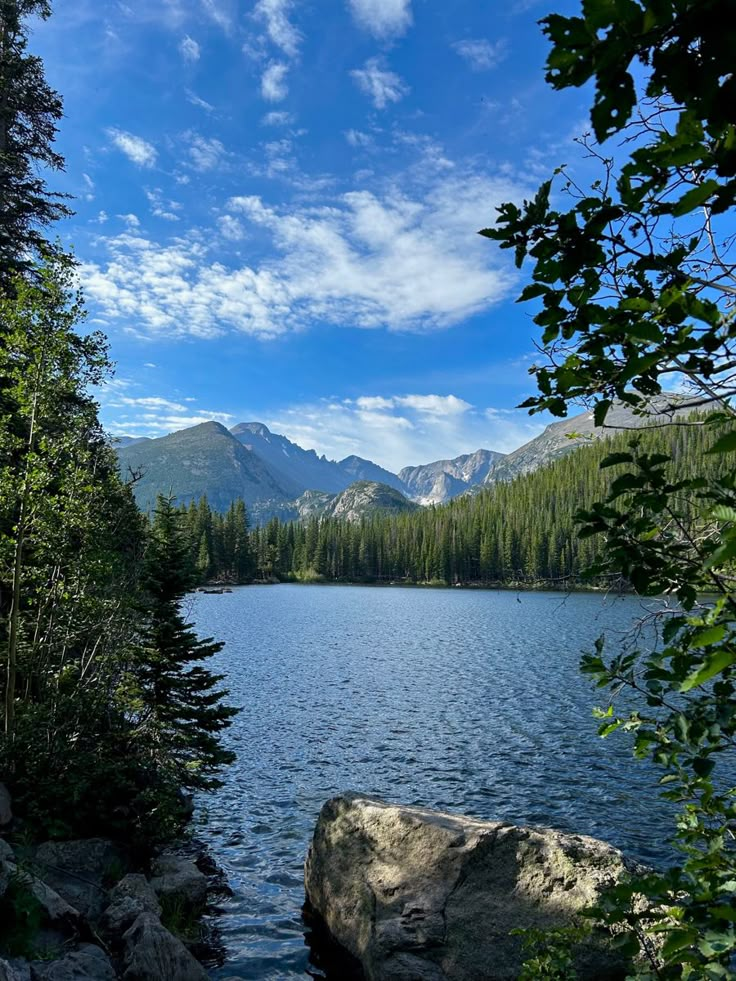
295,469
364,498
435,483
567,435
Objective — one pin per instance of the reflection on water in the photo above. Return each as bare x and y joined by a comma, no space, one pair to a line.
464,700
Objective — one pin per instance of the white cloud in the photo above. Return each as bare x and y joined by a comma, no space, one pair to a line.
200,103
161,208
398,431
90,187
273,82
381,85
153,415
274,15
189,49
481,54
357,139
230,228
278,119
132,221
220,12
134,147
406,260
383,18
205,154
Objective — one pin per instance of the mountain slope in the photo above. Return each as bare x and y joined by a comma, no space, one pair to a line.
203,460
365,498
556,439
359,469
291,465
435,483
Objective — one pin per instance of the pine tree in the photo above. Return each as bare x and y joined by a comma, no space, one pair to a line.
182,711
29,112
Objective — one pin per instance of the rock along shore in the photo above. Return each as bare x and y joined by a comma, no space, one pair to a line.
418,895
92,918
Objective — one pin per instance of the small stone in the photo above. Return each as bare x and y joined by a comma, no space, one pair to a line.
136,886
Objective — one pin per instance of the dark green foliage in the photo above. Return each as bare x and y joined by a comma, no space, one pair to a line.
177,708
21,915
29,112
521,532
634,284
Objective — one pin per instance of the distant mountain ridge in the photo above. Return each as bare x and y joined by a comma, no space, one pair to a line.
278,478
435,483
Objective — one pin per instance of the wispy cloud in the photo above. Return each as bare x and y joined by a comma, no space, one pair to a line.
404,260
278,119
154,416
273,82
380,84
274,15
189,49
219,11
481,54
161,208
135,148
382,18
205,154
200,103
402,430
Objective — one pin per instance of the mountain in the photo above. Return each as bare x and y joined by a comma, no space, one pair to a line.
359,469
203,460
362,499
120,441
559,438
365,498
293,467
435,483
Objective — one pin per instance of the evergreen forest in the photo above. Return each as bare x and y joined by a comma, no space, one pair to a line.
523,532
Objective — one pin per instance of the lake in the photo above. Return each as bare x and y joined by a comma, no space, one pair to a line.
465,700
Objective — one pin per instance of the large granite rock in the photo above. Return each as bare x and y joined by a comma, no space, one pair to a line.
151,953
418,895
80,871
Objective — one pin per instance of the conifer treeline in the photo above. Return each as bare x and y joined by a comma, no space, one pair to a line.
521,531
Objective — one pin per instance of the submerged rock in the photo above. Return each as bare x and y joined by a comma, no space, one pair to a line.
418,895
152,954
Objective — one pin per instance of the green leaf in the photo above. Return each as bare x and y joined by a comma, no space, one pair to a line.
726,444
709,636
695,197
712,666
600,411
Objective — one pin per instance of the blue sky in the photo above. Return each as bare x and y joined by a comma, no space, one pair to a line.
277,205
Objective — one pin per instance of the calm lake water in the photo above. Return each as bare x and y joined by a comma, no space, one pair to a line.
469,701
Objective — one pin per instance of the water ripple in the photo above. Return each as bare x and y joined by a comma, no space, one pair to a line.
466,701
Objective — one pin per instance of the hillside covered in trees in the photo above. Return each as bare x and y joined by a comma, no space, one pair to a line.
523,531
